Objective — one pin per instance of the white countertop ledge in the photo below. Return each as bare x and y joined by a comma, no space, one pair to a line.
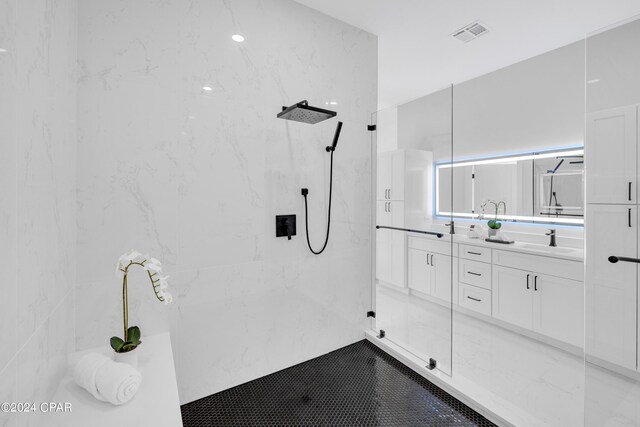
570,254
156,403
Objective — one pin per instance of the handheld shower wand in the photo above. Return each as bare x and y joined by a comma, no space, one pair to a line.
305,191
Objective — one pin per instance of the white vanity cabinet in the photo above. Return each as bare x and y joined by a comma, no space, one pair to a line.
429,267
549,303
512,299
474,278
390,244
404,183
612,156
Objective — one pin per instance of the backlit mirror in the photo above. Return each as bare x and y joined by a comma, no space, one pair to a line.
544,187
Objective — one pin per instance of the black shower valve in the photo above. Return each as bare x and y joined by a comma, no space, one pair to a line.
285,226
304,191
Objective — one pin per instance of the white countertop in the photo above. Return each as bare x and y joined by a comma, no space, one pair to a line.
156,403
571,254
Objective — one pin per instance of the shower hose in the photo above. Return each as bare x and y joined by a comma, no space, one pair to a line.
306,212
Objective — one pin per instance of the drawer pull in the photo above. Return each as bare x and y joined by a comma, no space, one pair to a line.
475,299
528,281
475,274
474,253
535,283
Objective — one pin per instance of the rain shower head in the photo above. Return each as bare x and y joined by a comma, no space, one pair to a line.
303,112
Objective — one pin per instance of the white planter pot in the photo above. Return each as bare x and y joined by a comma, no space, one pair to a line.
492,232
130,357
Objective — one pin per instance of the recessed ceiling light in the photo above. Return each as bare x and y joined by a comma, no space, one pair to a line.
333,103
237,38
2,50
593,81
207,88
191,117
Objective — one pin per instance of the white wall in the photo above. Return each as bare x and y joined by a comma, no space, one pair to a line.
196,179
37,199
530,105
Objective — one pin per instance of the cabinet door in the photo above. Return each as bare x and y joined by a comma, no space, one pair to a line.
397,176
384,174
383,243
398,245
611,156
611,289
441,283
419,270
512,297
558,307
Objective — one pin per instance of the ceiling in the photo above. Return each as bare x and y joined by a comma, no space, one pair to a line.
417,55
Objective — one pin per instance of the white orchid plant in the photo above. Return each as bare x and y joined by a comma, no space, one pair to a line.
159,284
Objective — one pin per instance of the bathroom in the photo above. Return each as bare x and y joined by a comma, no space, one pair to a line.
322,262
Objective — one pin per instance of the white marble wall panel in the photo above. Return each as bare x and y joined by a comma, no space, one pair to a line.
197,177
38,59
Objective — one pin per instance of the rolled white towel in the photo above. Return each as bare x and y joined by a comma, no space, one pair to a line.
85,372
117,382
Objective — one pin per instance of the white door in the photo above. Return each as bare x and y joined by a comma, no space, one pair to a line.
397,175
611,156
441,284
511,297
558,308
397,246
384,175
419,270
611,289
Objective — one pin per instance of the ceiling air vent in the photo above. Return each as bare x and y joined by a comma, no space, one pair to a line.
470,32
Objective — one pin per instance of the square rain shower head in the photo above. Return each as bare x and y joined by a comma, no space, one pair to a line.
303,112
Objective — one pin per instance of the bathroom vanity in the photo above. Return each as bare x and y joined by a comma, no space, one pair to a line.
530,288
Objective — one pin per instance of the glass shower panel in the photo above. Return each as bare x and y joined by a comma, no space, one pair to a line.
518,308
414,262
612,378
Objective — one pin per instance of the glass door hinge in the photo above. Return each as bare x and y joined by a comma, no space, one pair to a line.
371,314
432,364
371,128
381,334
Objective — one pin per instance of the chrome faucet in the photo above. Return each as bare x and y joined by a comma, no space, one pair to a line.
552,236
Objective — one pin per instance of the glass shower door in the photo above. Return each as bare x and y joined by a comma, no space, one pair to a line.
414,266
612,373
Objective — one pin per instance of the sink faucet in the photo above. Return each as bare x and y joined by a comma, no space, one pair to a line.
552,235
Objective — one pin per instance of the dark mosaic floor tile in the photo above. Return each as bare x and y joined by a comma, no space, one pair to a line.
358,385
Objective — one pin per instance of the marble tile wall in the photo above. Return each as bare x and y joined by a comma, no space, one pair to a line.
196,177
38,56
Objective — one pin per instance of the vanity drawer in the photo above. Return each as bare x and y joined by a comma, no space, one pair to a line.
558,267
475,273
475,253
430,245
474,298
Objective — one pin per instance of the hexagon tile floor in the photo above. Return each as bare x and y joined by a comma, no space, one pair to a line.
358,385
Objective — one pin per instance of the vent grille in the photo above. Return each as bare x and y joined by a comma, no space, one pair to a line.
470,32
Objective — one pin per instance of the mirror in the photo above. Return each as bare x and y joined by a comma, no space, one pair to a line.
544,187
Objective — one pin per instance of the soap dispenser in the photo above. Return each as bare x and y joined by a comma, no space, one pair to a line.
473,233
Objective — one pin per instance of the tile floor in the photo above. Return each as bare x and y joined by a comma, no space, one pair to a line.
358,385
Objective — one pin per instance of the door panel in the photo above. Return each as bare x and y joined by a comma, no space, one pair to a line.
558,307
611,289
419,276
611,156
512,298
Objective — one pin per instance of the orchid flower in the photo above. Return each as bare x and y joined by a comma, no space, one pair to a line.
159,283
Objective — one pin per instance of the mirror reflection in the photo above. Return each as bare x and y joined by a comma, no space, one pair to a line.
533,187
